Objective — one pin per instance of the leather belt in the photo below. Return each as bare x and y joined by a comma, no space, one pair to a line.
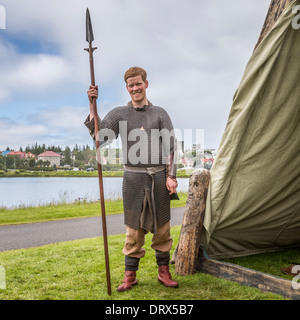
150,170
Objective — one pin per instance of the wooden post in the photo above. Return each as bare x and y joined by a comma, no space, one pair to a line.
275,10
186,253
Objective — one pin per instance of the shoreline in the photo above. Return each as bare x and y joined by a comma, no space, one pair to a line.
75,174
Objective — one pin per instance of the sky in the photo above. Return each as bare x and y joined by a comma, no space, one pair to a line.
194,51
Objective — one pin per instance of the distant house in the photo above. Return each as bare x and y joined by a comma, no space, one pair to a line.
62,156
20,154
186,162
50,156
4,153
31,155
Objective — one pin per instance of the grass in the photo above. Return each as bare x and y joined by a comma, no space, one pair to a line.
270,262
58,173
75,270
57,212
68,211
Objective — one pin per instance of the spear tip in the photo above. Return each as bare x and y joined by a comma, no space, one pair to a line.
89,29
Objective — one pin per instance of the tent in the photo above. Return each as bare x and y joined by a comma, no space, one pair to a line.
253,201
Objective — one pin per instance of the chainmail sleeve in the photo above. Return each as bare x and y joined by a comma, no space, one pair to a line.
109,127
90,124
169,143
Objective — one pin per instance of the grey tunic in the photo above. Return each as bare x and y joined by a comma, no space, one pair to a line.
146,142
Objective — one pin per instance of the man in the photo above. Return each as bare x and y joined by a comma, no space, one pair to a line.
150,173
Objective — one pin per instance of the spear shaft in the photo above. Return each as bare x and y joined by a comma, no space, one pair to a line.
90,50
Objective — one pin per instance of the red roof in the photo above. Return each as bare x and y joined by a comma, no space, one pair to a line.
48,154
17,153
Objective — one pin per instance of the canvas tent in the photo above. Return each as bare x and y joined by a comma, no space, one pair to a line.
253,201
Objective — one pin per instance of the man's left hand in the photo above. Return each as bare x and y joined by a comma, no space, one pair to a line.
171,185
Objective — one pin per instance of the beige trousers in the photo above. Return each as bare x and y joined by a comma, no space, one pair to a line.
135,239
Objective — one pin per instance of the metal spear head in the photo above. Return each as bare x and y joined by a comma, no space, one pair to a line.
89,29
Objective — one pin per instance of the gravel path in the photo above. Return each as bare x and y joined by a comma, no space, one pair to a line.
41,233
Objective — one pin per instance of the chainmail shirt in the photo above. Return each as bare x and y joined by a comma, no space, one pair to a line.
147,139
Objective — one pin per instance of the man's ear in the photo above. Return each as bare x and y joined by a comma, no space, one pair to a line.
147,84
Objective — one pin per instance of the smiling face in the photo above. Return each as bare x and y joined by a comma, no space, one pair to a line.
137,90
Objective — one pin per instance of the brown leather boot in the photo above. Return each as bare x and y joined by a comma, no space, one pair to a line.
289,269
129,281
165,278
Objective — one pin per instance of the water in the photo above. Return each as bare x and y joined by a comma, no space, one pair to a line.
16,192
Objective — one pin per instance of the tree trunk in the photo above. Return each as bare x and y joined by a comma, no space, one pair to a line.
275,10
186,254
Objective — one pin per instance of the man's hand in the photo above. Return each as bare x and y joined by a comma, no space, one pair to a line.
171,185
92,93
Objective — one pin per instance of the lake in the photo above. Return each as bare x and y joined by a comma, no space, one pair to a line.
27,191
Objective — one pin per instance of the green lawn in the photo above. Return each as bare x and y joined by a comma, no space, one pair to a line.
68,211
75,270
58,173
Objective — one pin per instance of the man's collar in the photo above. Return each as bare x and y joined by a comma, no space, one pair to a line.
129,104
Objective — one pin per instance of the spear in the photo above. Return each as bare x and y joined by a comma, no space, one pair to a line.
90,49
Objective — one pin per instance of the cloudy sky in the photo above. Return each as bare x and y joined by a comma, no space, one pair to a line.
194,51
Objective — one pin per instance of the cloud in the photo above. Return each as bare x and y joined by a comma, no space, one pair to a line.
29,73
62,118
36,72
15,134
65,125
57,126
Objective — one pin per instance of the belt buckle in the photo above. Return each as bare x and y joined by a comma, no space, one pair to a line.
151,171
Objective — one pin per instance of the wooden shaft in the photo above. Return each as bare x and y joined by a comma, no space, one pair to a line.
100,178
92,65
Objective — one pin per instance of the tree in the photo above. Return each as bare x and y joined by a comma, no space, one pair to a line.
46,163
2,163
13,162
67,154
39,163
31,163
76,148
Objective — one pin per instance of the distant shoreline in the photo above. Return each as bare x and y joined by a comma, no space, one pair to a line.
76,174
